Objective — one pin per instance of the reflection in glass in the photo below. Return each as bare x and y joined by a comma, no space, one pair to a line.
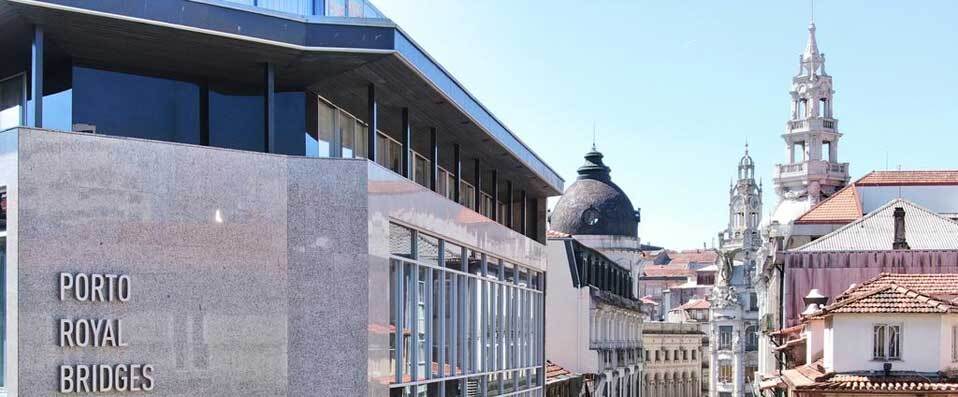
325,115
400,241
346,126
335,8
11,102
138,106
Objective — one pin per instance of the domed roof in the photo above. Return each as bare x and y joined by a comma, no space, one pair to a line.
593,205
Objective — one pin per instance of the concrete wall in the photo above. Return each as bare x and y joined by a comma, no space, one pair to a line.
248,270
921,347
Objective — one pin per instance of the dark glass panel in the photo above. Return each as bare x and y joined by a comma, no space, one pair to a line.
290,123
124,104
237,118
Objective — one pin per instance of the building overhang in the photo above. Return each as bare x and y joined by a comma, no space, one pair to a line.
333,56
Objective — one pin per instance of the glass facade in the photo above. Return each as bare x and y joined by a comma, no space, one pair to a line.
12,95
125,104
462,322
329,8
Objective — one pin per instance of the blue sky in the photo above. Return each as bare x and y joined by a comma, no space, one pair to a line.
677,87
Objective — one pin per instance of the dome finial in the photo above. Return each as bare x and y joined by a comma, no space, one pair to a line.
593,136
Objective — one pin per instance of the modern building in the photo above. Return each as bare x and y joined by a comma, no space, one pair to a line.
673,359
733,303
221,198
593,319
895,334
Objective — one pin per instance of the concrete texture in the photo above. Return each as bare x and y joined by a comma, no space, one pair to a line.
245,266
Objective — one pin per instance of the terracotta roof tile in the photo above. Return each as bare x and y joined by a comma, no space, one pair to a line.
890,299
943,286
695,304
842,207
703,256
876,383
555,373
906,178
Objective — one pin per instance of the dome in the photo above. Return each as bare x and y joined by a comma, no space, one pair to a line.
593,205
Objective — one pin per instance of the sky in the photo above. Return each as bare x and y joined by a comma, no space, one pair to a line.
675,88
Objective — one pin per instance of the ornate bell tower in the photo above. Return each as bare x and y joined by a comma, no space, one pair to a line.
744,209
811,135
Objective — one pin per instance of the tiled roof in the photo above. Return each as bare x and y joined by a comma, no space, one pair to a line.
842,207
804,375
555,373
846,205
694,256
694,304
878,383
682,263
924,230
891,299
909,178
942,286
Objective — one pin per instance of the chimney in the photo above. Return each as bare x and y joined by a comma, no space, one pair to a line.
814,302
900,243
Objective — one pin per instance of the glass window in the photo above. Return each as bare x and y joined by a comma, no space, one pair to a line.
325,118
335,8
400,241
11,102
137,106
361,140
427,248
725,337
894,342
453,255
751,338
725,371
421,170
878,342
237,117
347,133
356,8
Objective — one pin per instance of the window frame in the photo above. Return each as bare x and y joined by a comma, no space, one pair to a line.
883,344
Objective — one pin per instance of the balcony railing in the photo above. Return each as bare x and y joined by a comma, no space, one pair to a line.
812,123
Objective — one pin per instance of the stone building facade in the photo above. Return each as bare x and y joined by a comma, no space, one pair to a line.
673,360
